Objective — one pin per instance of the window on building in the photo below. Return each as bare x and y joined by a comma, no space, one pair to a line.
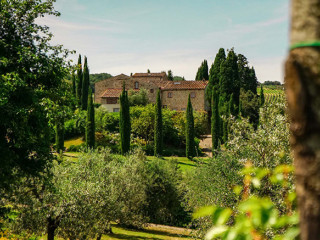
164,106
169,94
192,94
151,90
116,110
136,85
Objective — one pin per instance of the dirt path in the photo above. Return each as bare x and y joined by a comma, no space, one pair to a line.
206,144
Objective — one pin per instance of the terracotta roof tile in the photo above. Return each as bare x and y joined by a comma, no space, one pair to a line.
114,92
184,85
162,74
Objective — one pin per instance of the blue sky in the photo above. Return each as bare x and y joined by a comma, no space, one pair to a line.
124,36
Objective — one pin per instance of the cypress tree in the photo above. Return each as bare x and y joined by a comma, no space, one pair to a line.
59,134
190,145
90,123
170,76
225,130
229,77
202,73
262,100
231,106
215,120
74,88
215,72
125,125
85,85
253,81
158,138
79,80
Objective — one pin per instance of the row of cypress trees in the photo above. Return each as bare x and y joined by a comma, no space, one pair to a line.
227,76
83,94
81,83
125,126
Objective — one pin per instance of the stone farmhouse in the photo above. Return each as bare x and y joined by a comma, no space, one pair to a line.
174,95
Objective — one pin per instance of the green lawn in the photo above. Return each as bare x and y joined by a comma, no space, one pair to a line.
154,232
73,141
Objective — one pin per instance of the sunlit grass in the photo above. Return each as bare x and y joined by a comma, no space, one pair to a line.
73,141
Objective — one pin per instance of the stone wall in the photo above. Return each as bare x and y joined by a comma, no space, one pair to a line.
179,99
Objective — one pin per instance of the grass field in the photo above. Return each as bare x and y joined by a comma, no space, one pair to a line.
73,141
152,232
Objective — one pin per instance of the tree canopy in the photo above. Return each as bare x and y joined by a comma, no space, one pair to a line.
31,71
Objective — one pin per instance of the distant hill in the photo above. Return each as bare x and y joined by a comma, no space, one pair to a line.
178,78
96,77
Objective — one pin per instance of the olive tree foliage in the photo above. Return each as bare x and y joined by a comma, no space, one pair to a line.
31,72
138,98
266,147
83,197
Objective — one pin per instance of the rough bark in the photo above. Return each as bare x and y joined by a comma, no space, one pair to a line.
303,93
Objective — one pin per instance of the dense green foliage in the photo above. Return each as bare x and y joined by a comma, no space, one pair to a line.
264,147
271,83
214,74
178,78
85,85
262,100
158,130
215,120
190,146
31,73
125,123
74,86
247,75
59,128
83,197
137,98
202,73
250,106
79,80
90,123
230,76
96,77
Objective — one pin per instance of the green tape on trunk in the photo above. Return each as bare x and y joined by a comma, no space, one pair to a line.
305,44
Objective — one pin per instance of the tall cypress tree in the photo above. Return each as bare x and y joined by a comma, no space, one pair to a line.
85,85
74,88
202,73
214,72
190,145
125,124
215,119
79,80
231,107
229,77
262,100
59,134
90,123
158,138
170,76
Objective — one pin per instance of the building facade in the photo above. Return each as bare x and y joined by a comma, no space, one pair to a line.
174,95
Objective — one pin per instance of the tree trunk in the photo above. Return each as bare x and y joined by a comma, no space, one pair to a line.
302,82
51,227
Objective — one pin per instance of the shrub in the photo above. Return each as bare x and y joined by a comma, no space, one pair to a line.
164,194
106,121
